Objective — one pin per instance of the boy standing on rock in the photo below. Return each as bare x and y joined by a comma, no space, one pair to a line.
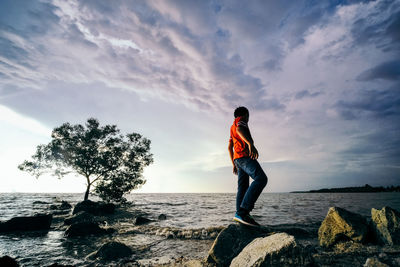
244,159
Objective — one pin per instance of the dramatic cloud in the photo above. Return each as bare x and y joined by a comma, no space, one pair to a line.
321,78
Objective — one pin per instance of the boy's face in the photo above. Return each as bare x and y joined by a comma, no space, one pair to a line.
246,117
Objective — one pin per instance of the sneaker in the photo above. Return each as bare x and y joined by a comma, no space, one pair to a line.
253,221
246,219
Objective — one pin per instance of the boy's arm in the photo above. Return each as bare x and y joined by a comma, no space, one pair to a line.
230,149
244,133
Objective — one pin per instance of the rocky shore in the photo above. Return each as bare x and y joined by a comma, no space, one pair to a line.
116,237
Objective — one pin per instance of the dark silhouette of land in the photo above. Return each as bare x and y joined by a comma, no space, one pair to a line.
362,189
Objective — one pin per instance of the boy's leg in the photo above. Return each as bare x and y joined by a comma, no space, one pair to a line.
254,170
243,185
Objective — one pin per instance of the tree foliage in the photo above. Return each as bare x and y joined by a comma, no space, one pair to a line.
110,162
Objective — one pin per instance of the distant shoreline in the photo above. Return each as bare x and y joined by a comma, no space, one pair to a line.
362,189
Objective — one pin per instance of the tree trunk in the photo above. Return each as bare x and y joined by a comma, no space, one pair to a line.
87,192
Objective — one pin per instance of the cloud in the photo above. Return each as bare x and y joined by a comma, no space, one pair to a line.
388,71
306,93
373,104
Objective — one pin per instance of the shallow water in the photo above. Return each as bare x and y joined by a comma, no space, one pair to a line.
182,210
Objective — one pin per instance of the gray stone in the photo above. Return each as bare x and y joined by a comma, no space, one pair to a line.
81,216
113,251
230,241
95,208
276,250
386,225
29,223
86,228
342,225
374,262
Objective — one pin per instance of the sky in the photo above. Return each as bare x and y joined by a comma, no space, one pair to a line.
321,80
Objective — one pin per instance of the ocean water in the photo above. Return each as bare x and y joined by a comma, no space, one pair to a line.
183,211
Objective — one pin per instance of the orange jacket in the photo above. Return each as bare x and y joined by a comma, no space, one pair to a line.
240,148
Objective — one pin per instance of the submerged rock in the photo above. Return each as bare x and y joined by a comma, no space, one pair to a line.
276,250
7,261
86,228
95,208
386,225
342,225
28,223
141,220
162,217
64,206
112,251
79,217
231,241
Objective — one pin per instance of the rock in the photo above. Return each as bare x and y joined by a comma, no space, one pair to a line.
386,225
60,265
230,241
39,202
95,208
342,225
113,251
86,228
374,262
64,206
141,220
29,223
7,261
275,250
162,217
79,217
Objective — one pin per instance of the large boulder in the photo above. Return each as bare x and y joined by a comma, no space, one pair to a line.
7,261
95,208
342,225
86,228
79,217
29,223
231,241
386,225
112,251
276,250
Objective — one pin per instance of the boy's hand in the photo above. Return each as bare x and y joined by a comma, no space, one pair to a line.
234,169
253,152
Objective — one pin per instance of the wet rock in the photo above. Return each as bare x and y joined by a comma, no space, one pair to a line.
140,220
39,202
79,217
95,208
28,223
386,225
342,225
7,261
374,262
60,265
162,217
112,251
64,206
276,250
230,242
86,228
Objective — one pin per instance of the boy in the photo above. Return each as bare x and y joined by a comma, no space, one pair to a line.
244,160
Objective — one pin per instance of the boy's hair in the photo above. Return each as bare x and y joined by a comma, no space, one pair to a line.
240,111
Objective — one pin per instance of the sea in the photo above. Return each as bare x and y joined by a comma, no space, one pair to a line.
183,210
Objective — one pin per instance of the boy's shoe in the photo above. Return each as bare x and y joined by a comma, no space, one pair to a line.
245,219
253,221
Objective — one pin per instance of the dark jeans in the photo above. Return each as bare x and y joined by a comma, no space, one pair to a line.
247,196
